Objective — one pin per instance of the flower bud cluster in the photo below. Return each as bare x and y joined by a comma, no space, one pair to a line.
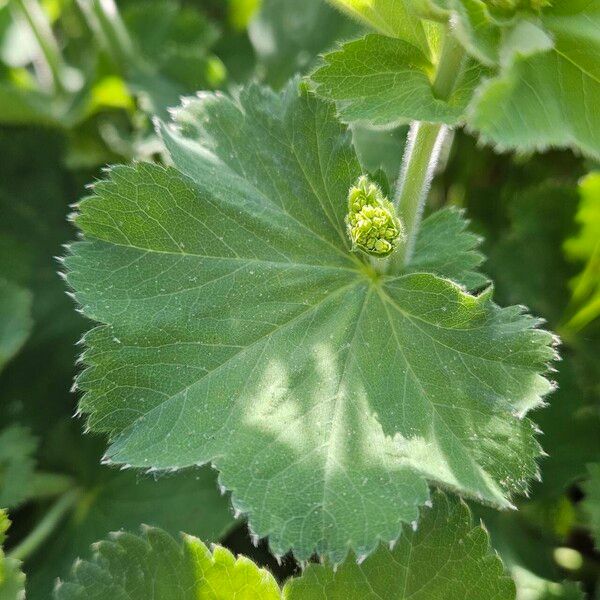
373,226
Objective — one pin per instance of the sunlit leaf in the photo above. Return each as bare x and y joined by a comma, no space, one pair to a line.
238,328
12,580
113,501
154,566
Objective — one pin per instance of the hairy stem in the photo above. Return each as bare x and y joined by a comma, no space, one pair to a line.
46,526
423,150
40,27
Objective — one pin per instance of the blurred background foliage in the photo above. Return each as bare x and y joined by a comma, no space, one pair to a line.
80,84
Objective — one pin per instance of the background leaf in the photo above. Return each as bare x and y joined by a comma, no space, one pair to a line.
155,567
547,99
441,556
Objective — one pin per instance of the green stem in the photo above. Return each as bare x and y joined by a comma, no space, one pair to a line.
39,25
46,526
422,153
106,23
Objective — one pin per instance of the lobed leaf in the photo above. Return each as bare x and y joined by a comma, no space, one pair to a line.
154,566
387,81
444,556
239,329
547,98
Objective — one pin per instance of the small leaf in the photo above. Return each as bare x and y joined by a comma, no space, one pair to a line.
442,556
154,566
15,319
240,329
393,18
387,81
12,580
446,248
113,500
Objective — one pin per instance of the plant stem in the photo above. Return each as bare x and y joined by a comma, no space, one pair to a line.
39,25
423,150
105,21
46,526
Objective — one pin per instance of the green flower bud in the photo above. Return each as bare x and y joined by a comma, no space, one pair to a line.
373,226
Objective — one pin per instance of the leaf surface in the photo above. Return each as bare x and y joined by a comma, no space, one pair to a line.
387,81
239,329
548,98
114,501
393,18
442,556
12,580
154,566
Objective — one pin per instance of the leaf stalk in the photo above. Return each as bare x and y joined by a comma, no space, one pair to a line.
46,526
422,154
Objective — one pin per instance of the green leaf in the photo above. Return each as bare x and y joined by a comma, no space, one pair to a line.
443,556
547,98
113,501
173,42
239,329
154,566
17,466
387,81
394,18
585,300
528,554
445,247
570,424
15,319
591,504
288,35
12,580
527,262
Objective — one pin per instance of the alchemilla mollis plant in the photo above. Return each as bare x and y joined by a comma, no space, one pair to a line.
316,331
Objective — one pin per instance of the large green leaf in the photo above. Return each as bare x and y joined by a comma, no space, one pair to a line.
154,566
387,81
115,501
548,98
15,319
12,580
239,328
445,556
